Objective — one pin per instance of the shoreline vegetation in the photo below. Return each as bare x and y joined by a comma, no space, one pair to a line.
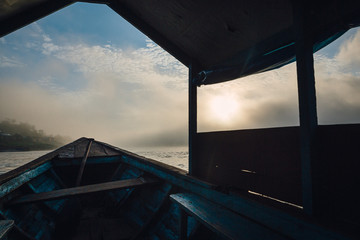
21,136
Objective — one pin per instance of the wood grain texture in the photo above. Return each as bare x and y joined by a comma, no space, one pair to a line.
83,162
221,220
18,181
63,193
265,161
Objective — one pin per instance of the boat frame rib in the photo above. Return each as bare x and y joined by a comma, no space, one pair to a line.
75,191
83,162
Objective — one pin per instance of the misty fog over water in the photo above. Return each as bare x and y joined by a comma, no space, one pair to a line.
12,160
174,156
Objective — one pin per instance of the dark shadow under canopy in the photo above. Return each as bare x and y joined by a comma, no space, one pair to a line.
226,39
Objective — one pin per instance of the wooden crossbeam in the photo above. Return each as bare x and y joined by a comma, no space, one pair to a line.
69,192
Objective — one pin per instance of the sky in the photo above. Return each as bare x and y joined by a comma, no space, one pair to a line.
84,71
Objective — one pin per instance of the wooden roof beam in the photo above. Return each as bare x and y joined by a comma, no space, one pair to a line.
25,16
151,32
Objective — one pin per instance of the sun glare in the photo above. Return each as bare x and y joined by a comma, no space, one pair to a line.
224,108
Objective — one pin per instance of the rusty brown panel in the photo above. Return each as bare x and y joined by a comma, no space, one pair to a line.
265,161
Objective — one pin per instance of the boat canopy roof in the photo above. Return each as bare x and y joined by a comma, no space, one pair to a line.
224,39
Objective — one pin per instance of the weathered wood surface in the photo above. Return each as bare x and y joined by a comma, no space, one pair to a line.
5,227
222,221
69,192
79,150
83,162
265,161
39,161
18,181
290,225
155,201
15,178
63,162
293,226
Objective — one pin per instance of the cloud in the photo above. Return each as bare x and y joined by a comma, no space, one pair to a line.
271,100
126,96
139,96
49,48
263,100
349,52
10,62
338,83
118,116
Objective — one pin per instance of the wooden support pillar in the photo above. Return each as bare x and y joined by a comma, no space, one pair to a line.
192,116
307,102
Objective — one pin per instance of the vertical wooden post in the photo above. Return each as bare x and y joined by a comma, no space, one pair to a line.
307,102
183,225
192,116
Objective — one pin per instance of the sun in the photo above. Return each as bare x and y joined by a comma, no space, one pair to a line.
224,108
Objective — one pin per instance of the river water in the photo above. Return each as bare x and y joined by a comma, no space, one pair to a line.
175,156
11,160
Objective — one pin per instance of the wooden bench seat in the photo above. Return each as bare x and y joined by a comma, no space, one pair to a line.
74,191
220,220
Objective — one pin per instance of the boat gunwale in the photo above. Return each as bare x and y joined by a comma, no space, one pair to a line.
121,152
37,162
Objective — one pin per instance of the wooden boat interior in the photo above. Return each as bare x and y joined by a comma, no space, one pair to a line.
119,196
125,196
110,202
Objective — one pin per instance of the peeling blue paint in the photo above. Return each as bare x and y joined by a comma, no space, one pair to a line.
16,182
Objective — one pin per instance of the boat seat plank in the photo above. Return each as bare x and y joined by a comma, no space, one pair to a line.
5,227
74,191
220,220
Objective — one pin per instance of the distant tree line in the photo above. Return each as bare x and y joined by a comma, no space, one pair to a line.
25,137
